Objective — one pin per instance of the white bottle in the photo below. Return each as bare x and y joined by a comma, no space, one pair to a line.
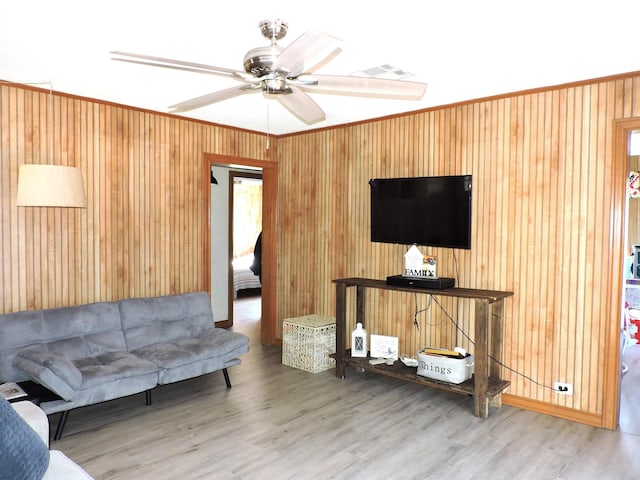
359,341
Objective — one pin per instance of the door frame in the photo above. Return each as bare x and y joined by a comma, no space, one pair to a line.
233,174
613,357
269,235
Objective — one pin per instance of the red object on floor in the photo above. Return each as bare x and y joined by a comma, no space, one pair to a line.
636,322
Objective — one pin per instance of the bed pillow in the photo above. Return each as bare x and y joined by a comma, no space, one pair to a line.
23,454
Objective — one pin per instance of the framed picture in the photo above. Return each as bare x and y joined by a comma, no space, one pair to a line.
383,346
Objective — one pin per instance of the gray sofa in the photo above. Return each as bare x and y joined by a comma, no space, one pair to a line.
91,353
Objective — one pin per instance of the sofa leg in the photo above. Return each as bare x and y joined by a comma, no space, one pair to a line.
226,377
61,423
147,396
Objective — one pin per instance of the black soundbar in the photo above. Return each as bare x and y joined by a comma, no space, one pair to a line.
429,283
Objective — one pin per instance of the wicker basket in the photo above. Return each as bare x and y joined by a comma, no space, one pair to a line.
308,341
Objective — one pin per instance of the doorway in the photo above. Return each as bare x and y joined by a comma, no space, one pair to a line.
221,284
629,417
245,237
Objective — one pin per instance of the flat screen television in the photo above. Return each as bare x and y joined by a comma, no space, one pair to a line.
430,211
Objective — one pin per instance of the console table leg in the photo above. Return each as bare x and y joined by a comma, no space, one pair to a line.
495,335
360,303
481,367
341,320
496,329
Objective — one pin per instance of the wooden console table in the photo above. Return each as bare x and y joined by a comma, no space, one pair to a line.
485,385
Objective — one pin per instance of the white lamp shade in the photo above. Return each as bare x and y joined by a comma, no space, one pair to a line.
50,186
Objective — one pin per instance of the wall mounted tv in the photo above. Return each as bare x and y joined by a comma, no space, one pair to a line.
430,211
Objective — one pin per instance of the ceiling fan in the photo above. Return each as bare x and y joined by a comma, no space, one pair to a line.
285,74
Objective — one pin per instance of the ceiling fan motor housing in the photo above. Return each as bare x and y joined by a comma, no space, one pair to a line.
258,61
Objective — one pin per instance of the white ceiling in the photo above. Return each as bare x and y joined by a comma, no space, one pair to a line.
462,49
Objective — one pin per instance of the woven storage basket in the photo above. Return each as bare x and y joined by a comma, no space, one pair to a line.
308,341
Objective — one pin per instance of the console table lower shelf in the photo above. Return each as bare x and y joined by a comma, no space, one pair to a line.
495,386
485,386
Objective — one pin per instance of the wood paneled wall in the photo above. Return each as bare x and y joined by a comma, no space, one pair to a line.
546,217
142,233
546,225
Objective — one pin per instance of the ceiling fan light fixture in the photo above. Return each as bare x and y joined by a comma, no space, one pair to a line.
275,86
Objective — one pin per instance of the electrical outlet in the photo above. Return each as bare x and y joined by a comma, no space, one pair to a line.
563,388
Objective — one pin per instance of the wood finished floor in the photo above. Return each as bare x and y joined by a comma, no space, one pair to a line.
281,423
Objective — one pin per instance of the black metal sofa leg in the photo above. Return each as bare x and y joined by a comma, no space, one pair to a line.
64,415
61,423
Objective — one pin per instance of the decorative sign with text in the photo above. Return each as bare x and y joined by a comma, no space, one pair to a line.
419,266
383,346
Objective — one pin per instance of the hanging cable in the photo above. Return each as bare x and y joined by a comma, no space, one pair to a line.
51,133
418,312
455,323
268,120
455,264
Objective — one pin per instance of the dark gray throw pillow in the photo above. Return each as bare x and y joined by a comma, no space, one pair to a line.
23,454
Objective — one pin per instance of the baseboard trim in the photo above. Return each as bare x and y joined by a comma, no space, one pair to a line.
223,323
553,410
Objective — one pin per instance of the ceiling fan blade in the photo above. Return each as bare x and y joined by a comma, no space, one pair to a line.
301,105
180,65
365,86
306,52
214,97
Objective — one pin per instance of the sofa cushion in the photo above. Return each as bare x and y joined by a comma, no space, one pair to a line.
217,342
147,321
112,366
54,371
23,454
104,391
67,378
184,358
75,332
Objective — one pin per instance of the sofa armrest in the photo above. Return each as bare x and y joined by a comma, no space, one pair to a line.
35,418
60,467
23,454
54,371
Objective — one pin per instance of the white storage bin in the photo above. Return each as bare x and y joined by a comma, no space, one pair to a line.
438,367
